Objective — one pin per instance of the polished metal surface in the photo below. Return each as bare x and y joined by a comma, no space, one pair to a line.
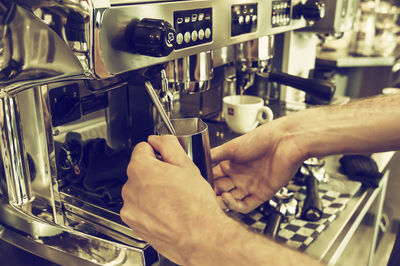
255,55
252,58
70,58
31,51
193,136
192,74
27,134
114,50
82,249
99,47
19,220
34,195
13,153
160,108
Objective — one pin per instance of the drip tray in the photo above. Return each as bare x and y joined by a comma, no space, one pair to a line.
83,211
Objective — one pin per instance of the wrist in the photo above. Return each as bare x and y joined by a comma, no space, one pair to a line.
229,242
208,245
293,137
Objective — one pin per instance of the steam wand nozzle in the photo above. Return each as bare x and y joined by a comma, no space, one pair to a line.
166,96
143,80
159,106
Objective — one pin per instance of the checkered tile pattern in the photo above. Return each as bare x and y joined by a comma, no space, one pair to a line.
297,233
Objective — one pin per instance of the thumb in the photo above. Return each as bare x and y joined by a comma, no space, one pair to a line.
170,149
222,153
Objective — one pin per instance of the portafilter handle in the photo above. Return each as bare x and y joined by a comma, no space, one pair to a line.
316,87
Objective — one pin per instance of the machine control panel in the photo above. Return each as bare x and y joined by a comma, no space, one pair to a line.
193,27
281,13
244,19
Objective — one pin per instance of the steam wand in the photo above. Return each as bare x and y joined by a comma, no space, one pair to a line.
157,103
143,80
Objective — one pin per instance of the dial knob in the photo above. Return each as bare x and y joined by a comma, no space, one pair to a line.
311,10
152,37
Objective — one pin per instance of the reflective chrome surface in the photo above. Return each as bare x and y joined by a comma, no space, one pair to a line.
114,50
254,55
193,136
44,57
67,75
71,247
13,153
192,74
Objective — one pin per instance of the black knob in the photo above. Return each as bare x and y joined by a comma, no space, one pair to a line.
311,10
152,37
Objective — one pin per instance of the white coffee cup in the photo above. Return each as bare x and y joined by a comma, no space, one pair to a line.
243,113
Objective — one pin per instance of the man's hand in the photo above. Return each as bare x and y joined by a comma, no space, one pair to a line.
253,167
168,202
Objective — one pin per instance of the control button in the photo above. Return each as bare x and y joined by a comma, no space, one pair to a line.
187,37
194,17
194,35
179,20
201,34
240,20
273,20
179,38
201,16
247,19
254,18
187,19
207,16
207,33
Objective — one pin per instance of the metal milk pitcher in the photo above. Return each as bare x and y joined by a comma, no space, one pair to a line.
192,134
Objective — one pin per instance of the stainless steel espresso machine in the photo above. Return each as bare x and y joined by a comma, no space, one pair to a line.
75,77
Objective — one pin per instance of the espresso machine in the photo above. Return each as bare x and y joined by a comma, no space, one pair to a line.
80,82
259,66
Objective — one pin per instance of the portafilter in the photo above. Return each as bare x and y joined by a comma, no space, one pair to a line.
191,74
253,63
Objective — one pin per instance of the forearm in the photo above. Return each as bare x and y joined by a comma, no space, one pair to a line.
230,243
368,125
